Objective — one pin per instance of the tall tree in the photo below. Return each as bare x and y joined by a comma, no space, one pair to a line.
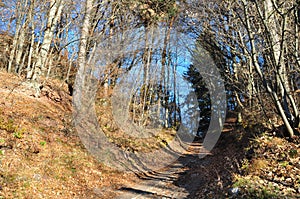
54,15
254,38
204,103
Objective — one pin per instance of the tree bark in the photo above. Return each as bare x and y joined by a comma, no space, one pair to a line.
54,15
254,60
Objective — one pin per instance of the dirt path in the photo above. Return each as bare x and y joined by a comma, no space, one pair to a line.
190,176
161,184
156,185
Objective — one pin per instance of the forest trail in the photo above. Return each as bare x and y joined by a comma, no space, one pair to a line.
43,157
161,184
65,168
189,176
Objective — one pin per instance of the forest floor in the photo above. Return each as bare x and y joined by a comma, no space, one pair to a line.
41,156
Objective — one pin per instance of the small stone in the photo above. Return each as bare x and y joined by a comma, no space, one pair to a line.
234,191
289,180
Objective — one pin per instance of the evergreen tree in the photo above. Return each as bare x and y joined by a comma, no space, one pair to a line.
198,84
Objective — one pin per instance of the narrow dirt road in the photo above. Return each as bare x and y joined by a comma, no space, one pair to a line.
161,184
190,176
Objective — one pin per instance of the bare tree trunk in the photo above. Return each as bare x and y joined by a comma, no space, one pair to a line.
254,59
22,38
279,44
83,46
12,55
69,67
29,68
165,70
54,15
147,58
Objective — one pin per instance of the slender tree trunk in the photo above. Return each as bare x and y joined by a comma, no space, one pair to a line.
83,46
54,15
163,80
278,42
12,55
22,38
254,60
29,69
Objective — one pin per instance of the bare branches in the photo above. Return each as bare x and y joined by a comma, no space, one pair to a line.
258,35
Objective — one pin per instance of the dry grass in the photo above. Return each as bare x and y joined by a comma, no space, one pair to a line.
40,153
257,165
129,140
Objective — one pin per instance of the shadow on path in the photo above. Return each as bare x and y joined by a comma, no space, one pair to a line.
212,176
192,177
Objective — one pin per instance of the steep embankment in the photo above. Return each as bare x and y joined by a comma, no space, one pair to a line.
40,154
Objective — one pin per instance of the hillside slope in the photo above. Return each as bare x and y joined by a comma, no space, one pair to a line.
40,154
